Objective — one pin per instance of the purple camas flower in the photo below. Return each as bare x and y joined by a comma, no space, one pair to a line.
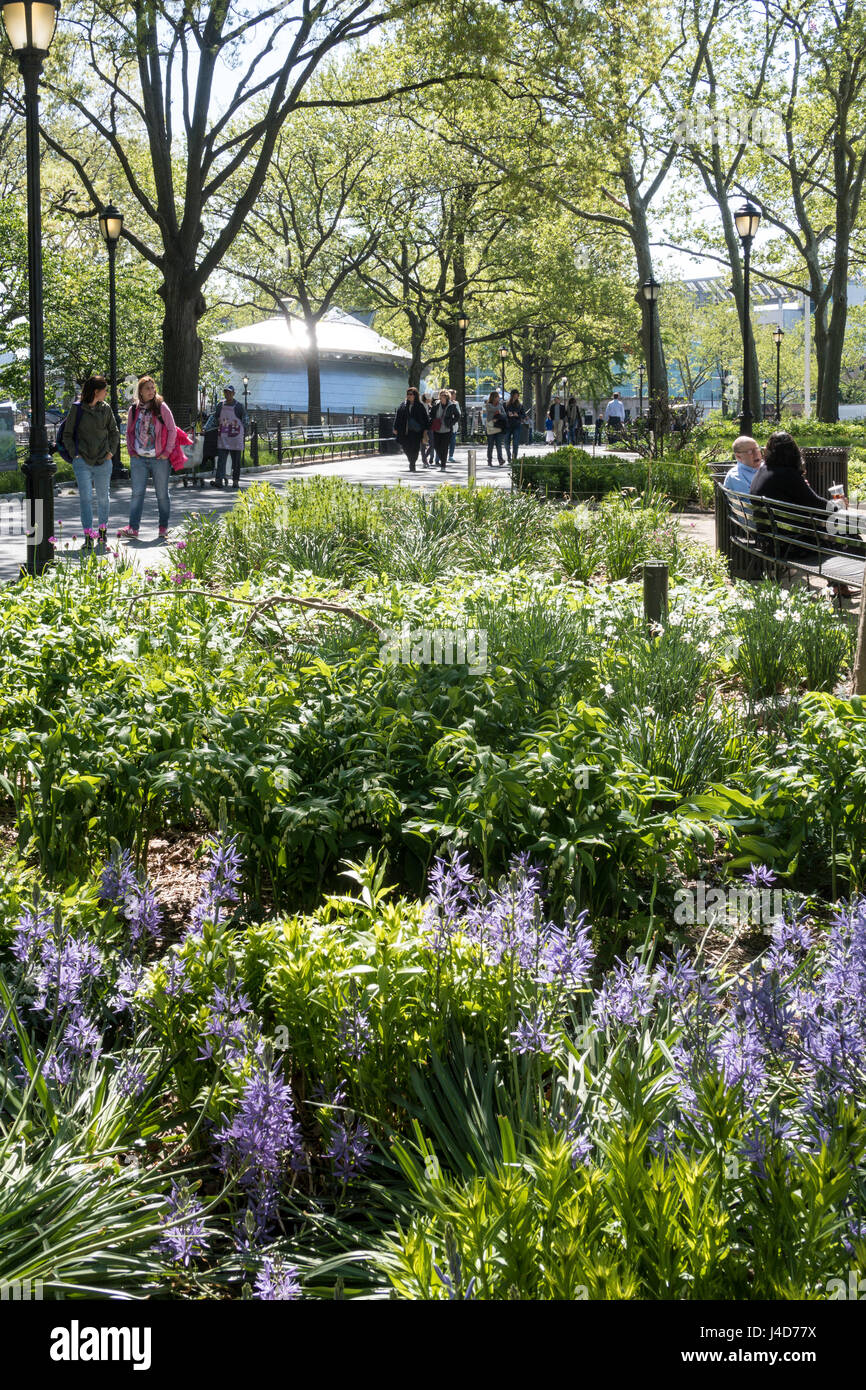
121,885
33,927
354,1032
177,981
226,1028
131,1077
129,976
118,878
219,884
530,1037
276,1280
449,883
625,997
186,1235
349,1145
67,967
760,876
262,1140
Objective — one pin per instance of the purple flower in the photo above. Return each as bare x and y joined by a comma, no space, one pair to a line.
131,1078
354,1032
219,884
261,1140
177,982
276,1281
625,998
349,1146
226,1027
121,885
33,927
185,1235
530,1038
68,966
760,876
129,977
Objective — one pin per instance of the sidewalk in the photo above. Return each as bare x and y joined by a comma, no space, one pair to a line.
371,470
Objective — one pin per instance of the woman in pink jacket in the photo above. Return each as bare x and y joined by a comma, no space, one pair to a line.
151,435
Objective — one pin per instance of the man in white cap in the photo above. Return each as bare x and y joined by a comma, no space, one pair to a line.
230,438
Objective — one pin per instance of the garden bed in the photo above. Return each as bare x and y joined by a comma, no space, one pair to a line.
481,901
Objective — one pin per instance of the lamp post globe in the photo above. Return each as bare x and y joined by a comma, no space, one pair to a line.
503,358
30,26
747,219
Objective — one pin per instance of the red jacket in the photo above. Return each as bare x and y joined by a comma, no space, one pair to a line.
166,432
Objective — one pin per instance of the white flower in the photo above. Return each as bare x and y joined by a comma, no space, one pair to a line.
608,690
795,616
676,619
780,615
703,648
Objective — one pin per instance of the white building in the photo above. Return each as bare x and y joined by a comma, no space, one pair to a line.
362,373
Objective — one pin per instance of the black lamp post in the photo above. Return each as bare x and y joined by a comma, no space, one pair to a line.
463,324
778,335
650,289
111,225
746,219
30,26
640,397
503,357
246,382
764,409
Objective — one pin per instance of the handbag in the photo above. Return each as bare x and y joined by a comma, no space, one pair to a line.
436,422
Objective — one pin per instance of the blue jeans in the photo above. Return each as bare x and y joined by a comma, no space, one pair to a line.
452,445
494,439
139,469
89,476
512,439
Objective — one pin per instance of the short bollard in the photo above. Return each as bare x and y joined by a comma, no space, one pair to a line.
655,591
470,467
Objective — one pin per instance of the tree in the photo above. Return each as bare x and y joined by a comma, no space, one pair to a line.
303,241
188,97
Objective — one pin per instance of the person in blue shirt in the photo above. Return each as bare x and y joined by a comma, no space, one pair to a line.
744,469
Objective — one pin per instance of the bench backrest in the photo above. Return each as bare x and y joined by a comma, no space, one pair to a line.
778,527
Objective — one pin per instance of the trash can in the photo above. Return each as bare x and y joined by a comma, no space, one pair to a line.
387,443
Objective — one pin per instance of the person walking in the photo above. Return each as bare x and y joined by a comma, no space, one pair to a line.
426,441
410,422
91,438
494,424
515,414
615,415
452,444
575,423
556,411
230,423
443,417
151,436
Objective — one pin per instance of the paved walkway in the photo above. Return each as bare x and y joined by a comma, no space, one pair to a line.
377,470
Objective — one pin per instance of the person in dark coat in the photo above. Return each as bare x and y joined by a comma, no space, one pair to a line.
444,417
410,422
782,478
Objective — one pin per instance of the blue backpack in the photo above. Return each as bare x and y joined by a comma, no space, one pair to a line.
59,447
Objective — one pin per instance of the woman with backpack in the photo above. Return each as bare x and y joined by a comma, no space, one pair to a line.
151,435
444,417
494,424
410,422
91,438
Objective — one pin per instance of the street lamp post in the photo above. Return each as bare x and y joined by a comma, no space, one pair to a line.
778,335
746,219
764,406
246,384
503,357
111,225
651,293
463,324
30,26
640,397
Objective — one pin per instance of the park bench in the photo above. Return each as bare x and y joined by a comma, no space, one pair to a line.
779,536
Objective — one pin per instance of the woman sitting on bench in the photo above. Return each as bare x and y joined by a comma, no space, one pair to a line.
782,478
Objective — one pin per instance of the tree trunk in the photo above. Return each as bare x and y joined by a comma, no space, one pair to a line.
859,682
314,373
418,329
652,343
184,306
